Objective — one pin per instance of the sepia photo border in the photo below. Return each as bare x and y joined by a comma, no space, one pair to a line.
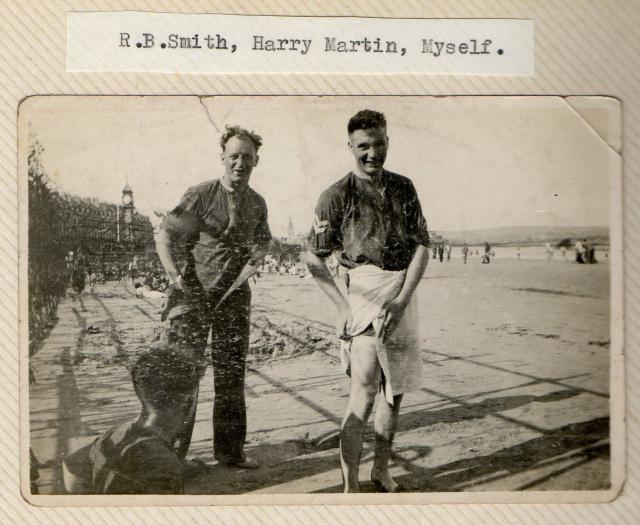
616,372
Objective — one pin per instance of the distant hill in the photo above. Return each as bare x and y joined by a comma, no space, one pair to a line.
526,235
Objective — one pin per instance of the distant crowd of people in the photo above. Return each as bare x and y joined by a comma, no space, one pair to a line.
585,252
487,254
441,249
149,278
271,265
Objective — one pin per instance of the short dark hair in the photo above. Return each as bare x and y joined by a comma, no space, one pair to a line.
366,119
163,376
241,133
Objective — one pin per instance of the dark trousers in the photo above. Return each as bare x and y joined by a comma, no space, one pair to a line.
229,326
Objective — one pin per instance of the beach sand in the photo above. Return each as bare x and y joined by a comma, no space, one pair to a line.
515,392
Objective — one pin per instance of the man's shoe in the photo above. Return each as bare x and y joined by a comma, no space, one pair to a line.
193,467
385,483
243,462
380,487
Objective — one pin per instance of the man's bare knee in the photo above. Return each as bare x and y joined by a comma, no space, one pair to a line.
362,396
365,368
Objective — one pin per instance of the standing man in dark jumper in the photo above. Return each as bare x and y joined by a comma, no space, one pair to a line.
374,219
223,224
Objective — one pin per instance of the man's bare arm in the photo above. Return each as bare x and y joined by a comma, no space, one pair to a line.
322,276
171,230
164,247
417,267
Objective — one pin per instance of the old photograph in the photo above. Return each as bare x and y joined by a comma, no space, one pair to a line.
274,295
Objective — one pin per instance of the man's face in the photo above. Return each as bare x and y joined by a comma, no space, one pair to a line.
239,158
369,147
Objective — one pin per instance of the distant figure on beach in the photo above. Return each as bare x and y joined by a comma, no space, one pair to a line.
590,252
581,257
441,250
374,219
465,252
518,252
137,457
486,257
549,251
448,251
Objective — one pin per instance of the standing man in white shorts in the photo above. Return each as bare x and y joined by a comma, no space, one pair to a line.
372,217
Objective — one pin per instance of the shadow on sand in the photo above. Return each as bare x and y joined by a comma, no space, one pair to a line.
295,460
577,443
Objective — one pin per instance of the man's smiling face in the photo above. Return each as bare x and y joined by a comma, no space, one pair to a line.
369,147
239,158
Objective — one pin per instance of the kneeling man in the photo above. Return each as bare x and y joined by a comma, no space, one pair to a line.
137,457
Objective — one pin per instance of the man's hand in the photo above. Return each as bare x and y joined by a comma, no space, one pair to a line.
343,323
178,282
323,277
191,292
392,312
247,271
394,309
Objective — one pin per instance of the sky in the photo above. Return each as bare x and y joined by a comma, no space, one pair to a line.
476,162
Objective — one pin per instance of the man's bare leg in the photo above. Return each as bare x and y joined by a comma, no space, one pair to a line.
385,424
365,378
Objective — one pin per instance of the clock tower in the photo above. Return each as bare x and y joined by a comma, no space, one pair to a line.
127,212
127,197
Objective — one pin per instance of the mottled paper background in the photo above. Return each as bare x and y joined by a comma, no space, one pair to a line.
582,48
